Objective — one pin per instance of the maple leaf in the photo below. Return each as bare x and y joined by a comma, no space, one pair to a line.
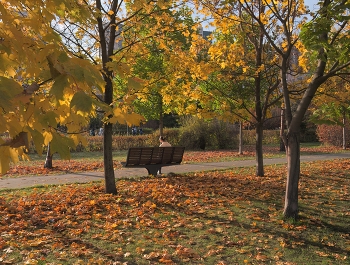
61,145
57,89
9,88
81,103
123,117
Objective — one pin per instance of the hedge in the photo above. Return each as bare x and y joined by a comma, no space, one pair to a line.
193,138
183,138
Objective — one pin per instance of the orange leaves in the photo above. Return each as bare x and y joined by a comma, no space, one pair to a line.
163,258
60,167
222,217
185,253
81,165
261,257
150,204
209,156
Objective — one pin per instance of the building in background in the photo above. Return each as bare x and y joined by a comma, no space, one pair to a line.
204,33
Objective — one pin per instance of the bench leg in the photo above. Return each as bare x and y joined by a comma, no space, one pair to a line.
153,169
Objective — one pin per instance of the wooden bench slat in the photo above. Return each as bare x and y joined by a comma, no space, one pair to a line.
153,158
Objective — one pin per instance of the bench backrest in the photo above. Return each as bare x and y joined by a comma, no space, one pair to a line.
154,155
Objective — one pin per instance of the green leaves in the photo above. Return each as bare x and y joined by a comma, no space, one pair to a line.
311,32
38,139
8,90
326,114
61,145
329,31
81,103
57,89
134,83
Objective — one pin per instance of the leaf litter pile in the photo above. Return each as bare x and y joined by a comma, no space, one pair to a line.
221,217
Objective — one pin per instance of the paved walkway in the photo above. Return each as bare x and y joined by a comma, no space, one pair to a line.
31,181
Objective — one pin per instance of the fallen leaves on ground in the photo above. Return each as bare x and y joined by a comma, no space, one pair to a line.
60,167
80,165
221,217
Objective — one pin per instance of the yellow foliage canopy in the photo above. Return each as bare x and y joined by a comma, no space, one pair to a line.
40,83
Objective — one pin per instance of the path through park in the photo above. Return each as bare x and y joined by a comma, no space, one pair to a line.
83,177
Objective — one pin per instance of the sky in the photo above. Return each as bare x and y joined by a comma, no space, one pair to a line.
312,4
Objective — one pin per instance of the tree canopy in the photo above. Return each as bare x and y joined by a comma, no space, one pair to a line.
42,86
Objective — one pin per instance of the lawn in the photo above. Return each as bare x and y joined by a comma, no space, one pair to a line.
219,217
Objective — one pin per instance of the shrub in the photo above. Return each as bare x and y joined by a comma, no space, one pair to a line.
224,135
308,132
119,142
333,134
170,134
94,143
196,133
269,137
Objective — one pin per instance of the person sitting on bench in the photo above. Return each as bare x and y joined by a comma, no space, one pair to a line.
163,142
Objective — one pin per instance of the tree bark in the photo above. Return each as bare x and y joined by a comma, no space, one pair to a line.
161,124
161,120
344,131
293,173
259,151
110,186
48,160
258,107
240,145
282,128
107,49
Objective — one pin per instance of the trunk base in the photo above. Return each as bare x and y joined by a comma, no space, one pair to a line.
293,174
48,163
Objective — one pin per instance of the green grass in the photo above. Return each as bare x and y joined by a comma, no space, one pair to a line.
219,217
312,144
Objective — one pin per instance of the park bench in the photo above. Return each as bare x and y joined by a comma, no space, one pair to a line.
154,158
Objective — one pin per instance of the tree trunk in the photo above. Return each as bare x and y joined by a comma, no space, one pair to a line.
344,131
282,128
293,173
48,160
161,124
240,145
161,120
110,186
107,41
259,150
